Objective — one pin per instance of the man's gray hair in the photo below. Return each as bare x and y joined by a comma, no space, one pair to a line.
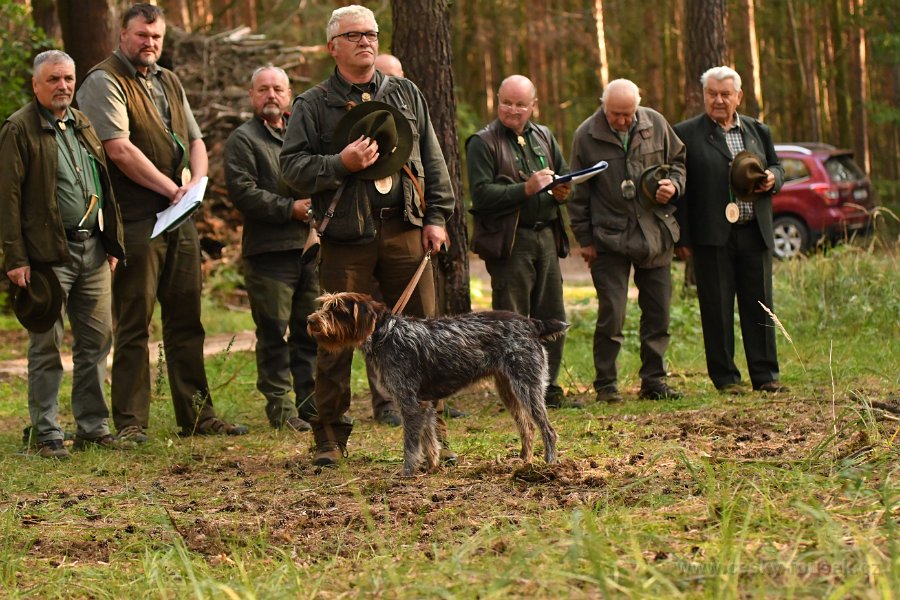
623,83
52,57
269,67
354,11
721,74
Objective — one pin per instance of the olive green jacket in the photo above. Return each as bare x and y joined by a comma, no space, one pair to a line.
31,228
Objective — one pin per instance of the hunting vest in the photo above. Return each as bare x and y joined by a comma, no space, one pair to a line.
151,136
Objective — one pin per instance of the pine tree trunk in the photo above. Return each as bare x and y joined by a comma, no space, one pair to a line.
89,31
422,43
704,46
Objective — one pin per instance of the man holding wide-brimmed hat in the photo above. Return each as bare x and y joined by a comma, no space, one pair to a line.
623,220
62,237
361,144
726,219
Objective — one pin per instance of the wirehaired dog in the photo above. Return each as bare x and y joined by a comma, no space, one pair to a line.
421,361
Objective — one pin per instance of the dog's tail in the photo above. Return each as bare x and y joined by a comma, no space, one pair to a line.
548,330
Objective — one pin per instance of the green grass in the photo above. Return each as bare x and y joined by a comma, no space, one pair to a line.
794,496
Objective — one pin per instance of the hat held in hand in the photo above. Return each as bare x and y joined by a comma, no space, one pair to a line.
747,173
648,183
380,122
39,305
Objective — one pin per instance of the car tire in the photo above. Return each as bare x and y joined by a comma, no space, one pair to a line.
791,237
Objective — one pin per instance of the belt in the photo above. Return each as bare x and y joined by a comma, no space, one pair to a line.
80,235
536,226
383,214
744,223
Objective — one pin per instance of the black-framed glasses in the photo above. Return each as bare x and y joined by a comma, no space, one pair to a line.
354,37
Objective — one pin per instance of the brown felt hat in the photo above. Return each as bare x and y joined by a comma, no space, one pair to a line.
746,174
38,305
648,183
383,123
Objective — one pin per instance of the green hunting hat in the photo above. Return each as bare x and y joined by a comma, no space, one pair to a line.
746,174
39,305
648,183
383,123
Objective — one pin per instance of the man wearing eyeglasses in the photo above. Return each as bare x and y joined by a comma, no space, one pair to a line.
519,230
402,218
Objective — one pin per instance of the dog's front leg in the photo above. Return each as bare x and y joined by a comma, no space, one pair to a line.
431,446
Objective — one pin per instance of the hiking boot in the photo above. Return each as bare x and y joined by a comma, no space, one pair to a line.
52,449
557,399
609,394
772,387
134,434
215,426
389,417
295,424
659,391
454,413
446,455
733,389
329,456
29,441
107,441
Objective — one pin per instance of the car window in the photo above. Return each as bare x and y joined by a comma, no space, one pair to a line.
794,168
842,168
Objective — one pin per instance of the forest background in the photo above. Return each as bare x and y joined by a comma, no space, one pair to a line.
814,70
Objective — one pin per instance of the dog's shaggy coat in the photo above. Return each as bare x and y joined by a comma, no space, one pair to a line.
420,361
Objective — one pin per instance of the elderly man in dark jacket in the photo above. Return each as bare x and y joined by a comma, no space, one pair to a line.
58,210
282,287
730,239
618,230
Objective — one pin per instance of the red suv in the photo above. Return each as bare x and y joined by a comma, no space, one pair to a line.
825,196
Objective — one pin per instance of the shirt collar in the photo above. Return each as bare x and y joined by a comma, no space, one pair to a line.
737,123
53,119
344,87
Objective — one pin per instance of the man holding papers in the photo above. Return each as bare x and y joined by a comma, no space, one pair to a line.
519,228
622,220
156,156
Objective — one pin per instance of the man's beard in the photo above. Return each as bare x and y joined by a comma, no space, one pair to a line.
271,111
60,104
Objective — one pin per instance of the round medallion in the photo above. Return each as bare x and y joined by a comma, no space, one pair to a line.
732,212
384,184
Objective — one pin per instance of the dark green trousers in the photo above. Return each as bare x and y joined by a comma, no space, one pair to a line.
610,272
283,293
529,282
390,261
166,268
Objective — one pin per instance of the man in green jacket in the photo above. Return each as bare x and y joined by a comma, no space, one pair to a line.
619,229
380,229
59,211
509,161
282,287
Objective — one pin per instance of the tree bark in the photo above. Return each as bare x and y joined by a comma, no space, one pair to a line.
422,42
44,13
704,46
89,32
603,67
859,85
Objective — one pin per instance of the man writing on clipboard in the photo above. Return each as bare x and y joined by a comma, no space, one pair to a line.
519,228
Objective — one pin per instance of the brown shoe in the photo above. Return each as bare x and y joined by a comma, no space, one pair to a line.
446,455
772,387
107,441
329,456
52,449
609,394
215,426
733,389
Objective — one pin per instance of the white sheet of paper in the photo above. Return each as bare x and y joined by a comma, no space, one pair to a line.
576,177
175,214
